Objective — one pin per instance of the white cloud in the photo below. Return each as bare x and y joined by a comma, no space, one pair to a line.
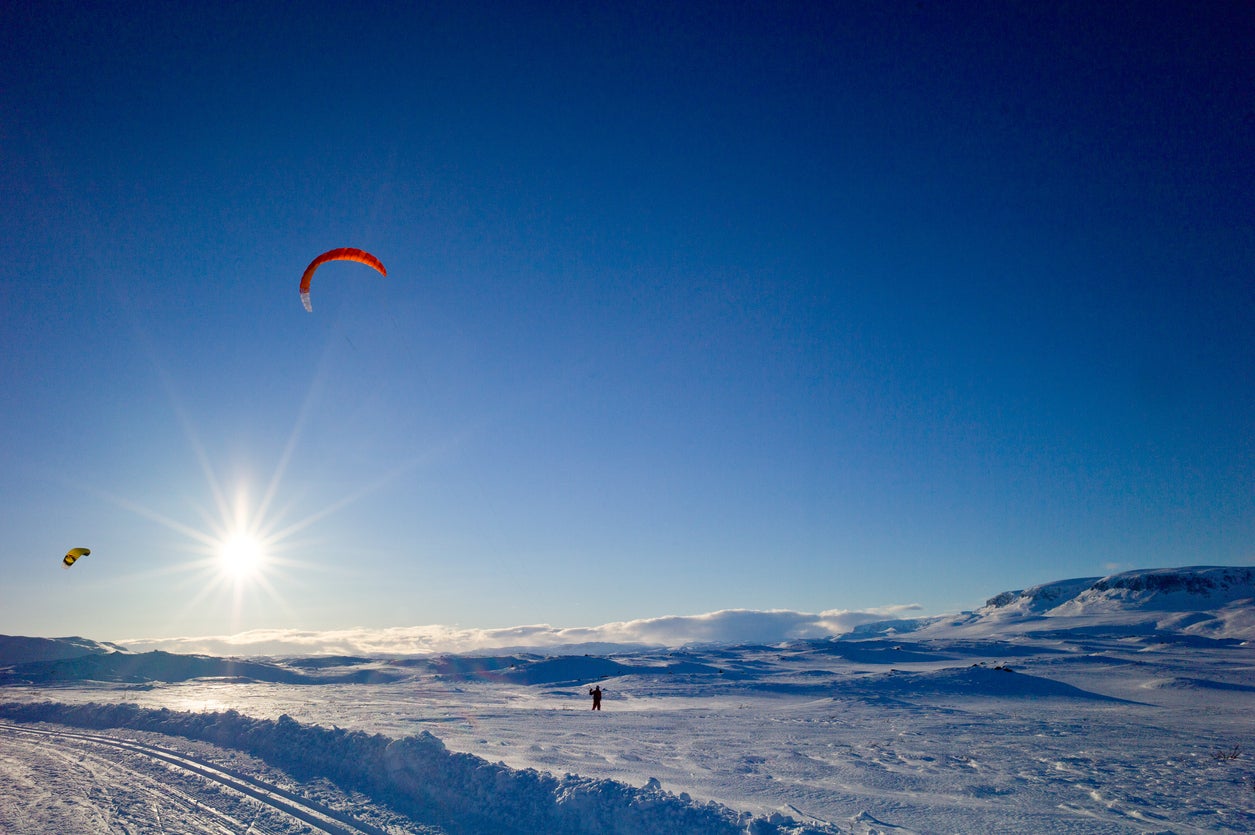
730,626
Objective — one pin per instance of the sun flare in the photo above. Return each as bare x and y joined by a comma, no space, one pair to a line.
241,557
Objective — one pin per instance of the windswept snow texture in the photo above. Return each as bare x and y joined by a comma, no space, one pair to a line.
1086,706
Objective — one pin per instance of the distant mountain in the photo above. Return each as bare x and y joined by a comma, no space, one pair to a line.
52,660
19,650
1191,604
1165,589
1168,589
141,667
1203,601
1038,599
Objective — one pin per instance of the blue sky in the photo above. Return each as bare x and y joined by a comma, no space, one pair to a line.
750,306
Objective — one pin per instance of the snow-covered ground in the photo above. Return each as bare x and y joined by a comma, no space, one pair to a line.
1116,705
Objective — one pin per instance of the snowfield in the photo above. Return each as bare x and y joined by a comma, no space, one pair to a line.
1105,705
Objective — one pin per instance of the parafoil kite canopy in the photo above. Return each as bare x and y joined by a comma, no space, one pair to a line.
345,253
73,554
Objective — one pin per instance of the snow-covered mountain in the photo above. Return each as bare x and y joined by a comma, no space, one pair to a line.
1215,602
20,650
1204,601
1196,588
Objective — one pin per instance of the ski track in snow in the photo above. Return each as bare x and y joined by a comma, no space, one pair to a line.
134,786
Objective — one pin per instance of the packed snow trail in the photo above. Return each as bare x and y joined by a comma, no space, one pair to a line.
315,814
54,787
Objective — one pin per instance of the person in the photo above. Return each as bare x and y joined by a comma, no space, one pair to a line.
596,694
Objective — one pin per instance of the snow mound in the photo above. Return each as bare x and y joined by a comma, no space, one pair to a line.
865,824
976,680
889,628
871,651
556,669
563,669
1190,683
419,777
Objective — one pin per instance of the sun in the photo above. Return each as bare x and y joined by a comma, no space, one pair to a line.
241,556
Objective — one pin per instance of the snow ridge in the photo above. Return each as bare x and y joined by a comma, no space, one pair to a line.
418,776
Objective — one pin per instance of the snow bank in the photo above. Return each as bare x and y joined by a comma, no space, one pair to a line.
417,776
